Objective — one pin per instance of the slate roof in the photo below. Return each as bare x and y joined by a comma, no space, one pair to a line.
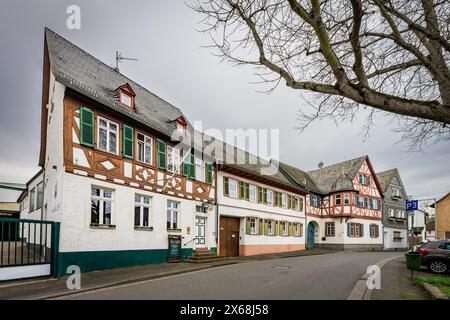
385,178
89,76
299,177
326,177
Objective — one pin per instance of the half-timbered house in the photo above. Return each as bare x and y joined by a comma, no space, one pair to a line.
112,167
343,208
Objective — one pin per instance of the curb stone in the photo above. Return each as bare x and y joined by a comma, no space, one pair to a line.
434,292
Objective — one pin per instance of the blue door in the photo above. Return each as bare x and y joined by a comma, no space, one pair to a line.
310,237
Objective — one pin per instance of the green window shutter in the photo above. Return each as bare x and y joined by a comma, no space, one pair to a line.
241,190
260,195
128,141
264,195
361,230
186,166
289,204
266,227
348,230
275,231
261,226
301,229
247,226
161,154
191,166
276,196
225,186
87,127
247,191
209,172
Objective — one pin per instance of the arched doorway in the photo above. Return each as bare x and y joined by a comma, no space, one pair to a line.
313,229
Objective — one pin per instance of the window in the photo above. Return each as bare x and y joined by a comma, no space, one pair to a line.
400,214
232,188
269,197
346,198
201,209
360,201
368,180
253,225
329,229
362,179
296,203
395,192
126,99
284,228
144,148
444,246
297,229
141,211
108,132
252,189
270,227
39,195
373,203
315,200
337,199
374,231
397,236
32,199
366,202
283,200
391,213
173,159
181,128
355,230
199,170
300,204
101,206
172,215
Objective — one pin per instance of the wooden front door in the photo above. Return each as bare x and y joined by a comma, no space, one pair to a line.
229,237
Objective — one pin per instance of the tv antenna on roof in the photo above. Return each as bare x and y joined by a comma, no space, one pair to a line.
120,58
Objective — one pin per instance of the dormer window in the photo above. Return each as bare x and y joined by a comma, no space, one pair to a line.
181,126
126,96
126,99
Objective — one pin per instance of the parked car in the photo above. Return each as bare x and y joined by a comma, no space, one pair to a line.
436,256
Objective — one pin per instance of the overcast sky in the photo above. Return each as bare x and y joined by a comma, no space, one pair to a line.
173,65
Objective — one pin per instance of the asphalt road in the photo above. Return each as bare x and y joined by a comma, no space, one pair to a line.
328,276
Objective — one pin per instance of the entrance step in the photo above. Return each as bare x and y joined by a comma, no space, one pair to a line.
204,256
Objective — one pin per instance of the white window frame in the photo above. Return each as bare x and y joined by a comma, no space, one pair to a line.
173,159
285,228
296,203
109,131
284,200
395,191
147,141
328,230
142,205
270,227
122,100
336,197
200,170
391,213
102,199
346,199
253,193
269,197
253,225
232,192
170,214
297,229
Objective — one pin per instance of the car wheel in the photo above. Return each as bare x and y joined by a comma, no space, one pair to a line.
438,266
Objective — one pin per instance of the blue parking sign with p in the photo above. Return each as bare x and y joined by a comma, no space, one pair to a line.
412,205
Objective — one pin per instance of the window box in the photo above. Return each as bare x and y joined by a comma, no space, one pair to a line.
138,228
173,230
102,226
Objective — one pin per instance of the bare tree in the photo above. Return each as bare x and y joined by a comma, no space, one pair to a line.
388,55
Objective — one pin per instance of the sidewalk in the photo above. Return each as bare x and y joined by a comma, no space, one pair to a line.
49,288
396,283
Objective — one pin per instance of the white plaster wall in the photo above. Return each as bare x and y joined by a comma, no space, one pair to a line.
77,235
250,239
235,207
54,162
366,239
389,242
